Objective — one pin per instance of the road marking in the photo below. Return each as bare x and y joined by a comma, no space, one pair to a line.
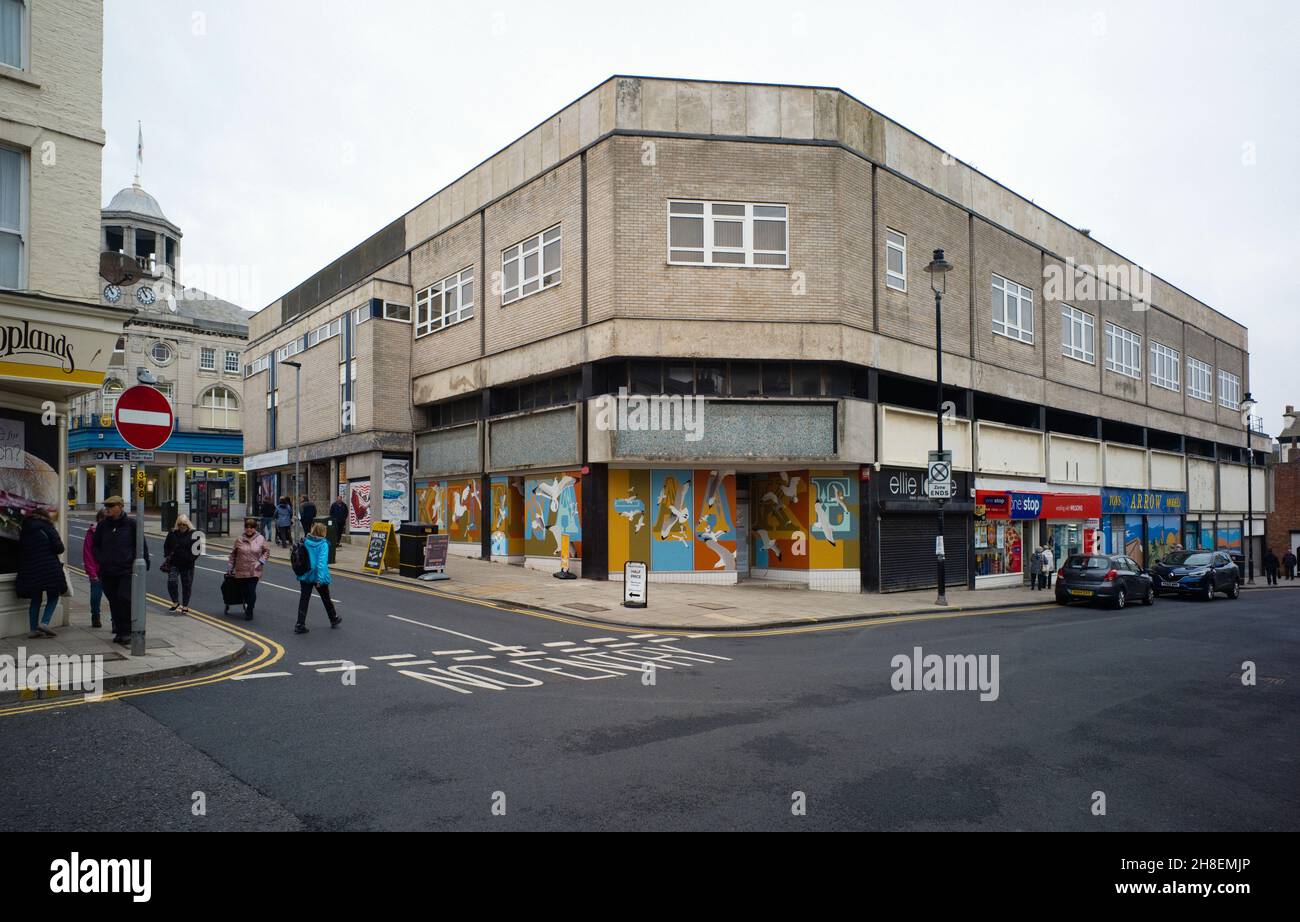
347,668
263,581
393,656
615,646
466,659
258,675
600,640
671,639
639,636
326,662
445,630
449,652
415,662
559,643
579,650
522,652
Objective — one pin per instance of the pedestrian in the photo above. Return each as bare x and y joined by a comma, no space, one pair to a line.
283,521
1049,562
339,513
180,554
1289,561
91,566
266,509
1035,568
245,564
114,546
318,576
306,514
40,572
1271,564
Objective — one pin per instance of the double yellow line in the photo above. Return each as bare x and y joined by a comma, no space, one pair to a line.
268,654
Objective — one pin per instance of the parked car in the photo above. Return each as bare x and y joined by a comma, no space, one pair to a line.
1111,578
1201,573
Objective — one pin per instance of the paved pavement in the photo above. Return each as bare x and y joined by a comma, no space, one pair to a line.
428,712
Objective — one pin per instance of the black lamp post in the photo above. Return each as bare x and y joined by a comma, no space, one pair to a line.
939,269
1246,406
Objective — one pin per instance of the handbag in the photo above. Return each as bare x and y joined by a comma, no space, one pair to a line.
166,565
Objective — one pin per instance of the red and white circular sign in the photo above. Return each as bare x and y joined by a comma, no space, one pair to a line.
143,417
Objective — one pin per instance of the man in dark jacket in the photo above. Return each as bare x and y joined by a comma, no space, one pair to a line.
306,514
115,554
339,513
266,509
1270,566
1289,562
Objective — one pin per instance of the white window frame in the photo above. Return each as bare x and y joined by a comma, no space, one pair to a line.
895,280
1075,325
516,254
288,350
1131,345
257,366
209,411
171,353
1229,390
231,366
21,231
399,307
433,305
746,251
360,314
1005,289
207,358
1200,380
24,41
1166,369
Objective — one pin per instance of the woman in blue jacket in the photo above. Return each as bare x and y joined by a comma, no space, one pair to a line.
283,521
318,553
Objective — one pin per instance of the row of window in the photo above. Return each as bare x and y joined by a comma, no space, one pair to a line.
218,406
208,360
1124,356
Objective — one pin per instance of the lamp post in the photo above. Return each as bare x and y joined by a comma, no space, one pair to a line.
296,524
939,269
1246,406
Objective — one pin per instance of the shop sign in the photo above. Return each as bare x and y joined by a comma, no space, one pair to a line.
1143,502
902,484
992,505
1071,506
199,460
1026,505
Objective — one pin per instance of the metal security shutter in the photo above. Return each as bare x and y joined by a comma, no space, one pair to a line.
907,551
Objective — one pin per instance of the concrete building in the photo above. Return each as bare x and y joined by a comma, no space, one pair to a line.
55,337
193,344
755,255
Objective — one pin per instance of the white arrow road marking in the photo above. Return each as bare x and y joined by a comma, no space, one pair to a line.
393,656
600,640
559,643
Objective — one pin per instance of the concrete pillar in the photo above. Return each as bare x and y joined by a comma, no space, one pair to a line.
182,506
99,485
81,485
127,496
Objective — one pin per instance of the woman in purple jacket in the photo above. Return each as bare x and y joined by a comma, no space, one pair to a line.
91,566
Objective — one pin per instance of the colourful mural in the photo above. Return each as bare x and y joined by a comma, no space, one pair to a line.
507,526
834,544
553,507
464,505
431,503
715,520
805,520
676,520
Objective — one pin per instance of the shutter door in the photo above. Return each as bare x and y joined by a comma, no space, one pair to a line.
907,552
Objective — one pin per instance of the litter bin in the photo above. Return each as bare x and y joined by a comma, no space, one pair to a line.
329,527
411,538
170,510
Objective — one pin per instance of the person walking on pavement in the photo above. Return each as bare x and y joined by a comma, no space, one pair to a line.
114,547
339,513
40,572
306,514
1271,564
180,554
1045,575
91,566
1035,567
266,509
247,559
317,576
283,521
1289,561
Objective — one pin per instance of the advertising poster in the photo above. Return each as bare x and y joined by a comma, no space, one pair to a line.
359,506
29,479
397,490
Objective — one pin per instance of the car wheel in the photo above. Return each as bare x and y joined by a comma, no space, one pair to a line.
1121,599
1150,597
1207,593
1235,591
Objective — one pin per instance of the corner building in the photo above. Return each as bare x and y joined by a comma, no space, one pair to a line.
759,251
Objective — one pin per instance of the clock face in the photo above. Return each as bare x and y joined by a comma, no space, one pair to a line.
112,294
145,295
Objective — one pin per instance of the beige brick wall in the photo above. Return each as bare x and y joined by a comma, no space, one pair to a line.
1114,384
998,252
433,261
1168,331
1060,367
1200,345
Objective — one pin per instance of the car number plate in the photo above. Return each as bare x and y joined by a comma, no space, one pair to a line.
1080,592
1170,585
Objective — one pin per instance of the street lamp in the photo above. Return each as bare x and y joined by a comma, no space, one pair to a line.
939,269
1246,406
296,524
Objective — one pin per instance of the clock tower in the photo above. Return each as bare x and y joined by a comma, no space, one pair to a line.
134,226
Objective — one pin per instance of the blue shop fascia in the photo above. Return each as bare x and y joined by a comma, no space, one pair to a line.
1143,524
98,465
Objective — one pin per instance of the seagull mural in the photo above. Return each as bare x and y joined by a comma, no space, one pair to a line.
765,543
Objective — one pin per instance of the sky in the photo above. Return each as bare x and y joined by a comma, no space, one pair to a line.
280,134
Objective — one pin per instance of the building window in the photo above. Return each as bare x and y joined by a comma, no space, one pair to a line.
1164,367
119,352
1199,380
445,303
13,216
1013,310
208,359
161,353
1123,351
288,350
232,362
258,366
13,33
727,234
895,260
219,409
398,312
111,391
1078,335
325,331
530,265
360,315
347,400
1229,391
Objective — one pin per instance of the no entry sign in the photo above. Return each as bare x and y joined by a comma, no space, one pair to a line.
143,417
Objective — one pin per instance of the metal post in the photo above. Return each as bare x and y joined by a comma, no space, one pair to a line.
1250,507
138,574
938,410
297,443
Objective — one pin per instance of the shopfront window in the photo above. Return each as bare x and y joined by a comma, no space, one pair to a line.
999,548
1065,540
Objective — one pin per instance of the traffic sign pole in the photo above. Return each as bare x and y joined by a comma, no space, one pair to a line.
138,607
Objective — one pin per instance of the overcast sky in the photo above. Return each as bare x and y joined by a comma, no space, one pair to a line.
278,135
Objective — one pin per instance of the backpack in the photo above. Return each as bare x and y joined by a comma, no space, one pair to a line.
299,559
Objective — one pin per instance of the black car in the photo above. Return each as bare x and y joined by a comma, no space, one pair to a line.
1201,573
1112,578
